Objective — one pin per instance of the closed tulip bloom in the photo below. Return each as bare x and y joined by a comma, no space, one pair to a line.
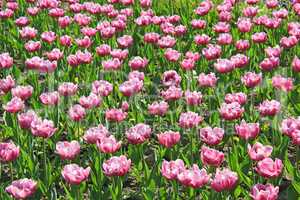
125,41
90,101
138,134
195,56
77,112
67,150
116,166
172,55
268,168
212,52
84,57
48,36
193,98
85,42
136,75
242,45
108,144
28,32
207,80
23,92
231,111
158,108
5,61
103,50
172,93
6,84
203,8
9,152
14,105
65,40
247,130
67,89
170,169
171,78
239,60
102,88
295,136
166,42
202,39
33,11
273,52
259,151
64,21
50,98
282,83
193,177
112,64
187,64
296,64
115,115
224,180
264,192
131,87
269,108
211,136
281,13
224,39
250,11
95,134
198,23
189,119
22,188
239,97
22,21
75,174
260,37
145,3
32,46
73,60
25,119
168,138
224,65
244,25
288,42
119,53
54,54
137,63
211,156
82,19
251,79
42,128
151,37
225,16
221,27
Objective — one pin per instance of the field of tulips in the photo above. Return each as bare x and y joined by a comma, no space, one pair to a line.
150,99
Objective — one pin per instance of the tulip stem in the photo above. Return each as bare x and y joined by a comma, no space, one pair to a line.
45,161
11,172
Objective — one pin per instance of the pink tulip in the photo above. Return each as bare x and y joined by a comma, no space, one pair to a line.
102,88
5,61
295,136
225,16
22,21
288,42
261,192
170,169
28,32
193,98
112,64
269,108
273,52
239,60
103,50
171,78
251,2
239,97
224,180
115,115
139,133
269,64
48,37
260,37
22,188
242,45
198,23
224,65
168,138
82,19
9,152
187,64
212,52
55,54
244,25
151,37
116,166
172,93
125,41
224,39
67,89
158,108
119,54
290,125
296,64
258,151
90,101
6,13
202,39
94,134
32,46
136,75
221,27
247,130
281,13
65,40
50,98
131,87
85,42
172,55
231,111
26,118
207,80
145,3
189,119
67,150
77,112
166,42
250,11
193,177
23,92
108,144
251,79
269,168
282,83
211,136
6,84
56,12
14,105
203,8
211,156
75,174
64,21
42,128
33,11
